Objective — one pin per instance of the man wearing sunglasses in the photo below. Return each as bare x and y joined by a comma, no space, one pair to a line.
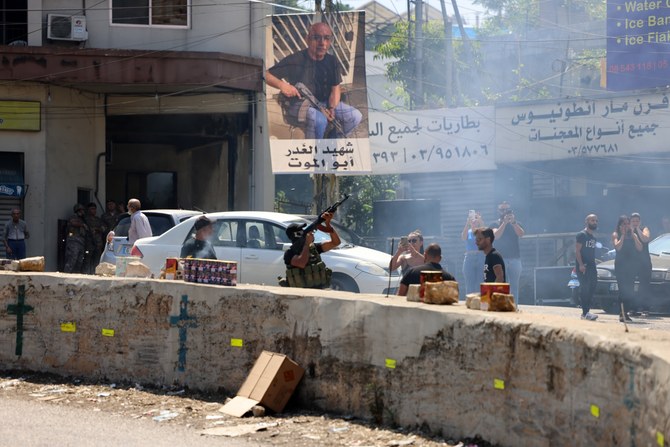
319,71
304,267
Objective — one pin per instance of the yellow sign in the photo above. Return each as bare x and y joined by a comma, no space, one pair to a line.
236,342
498,384
390,363
595,411
69,326
108,332
20,115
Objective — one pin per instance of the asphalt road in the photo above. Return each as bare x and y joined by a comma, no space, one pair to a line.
39,424
652,322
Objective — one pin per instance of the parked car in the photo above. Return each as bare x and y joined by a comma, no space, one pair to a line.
607,290
260,259
160,221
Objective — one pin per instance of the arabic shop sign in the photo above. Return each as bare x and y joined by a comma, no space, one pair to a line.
12,190
586,128
638,55
439,140
20,115
328,156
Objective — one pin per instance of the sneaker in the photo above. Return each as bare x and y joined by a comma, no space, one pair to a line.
589,316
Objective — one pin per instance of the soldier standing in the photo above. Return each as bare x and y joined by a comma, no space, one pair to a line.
75,244
95,242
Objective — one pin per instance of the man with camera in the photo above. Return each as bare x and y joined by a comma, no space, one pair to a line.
507,231
304,267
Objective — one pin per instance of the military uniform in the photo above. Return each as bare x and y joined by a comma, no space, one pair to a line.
75,244
95,242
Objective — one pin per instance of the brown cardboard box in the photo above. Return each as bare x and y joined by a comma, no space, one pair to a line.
270,383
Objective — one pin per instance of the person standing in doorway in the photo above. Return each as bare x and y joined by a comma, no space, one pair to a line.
95,242
111,215
507,231
75,244
473,261
585,254
16,233
139,224
494,265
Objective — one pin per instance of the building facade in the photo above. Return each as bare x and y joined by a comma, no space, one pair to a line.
161,101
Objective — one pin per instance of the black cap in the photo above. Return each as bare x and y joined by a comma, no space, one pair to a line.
202,222
293,228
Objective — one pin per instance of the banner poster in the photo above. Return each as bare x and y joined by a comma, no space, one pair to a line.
583,128
316,94
638,34
437,140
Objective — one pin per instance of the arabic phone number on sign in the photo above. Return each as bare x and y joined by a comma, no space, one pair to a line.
646,66
428,155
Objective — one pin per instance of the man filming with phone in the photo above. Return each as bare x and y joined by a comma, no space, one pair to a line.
507,231
304,267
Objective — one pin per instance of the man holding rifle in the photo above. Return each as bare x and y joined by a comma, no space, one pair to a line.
310,81
304,267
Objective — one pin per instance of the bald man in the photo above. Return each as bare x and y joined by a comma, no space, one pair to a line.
319,71
139,224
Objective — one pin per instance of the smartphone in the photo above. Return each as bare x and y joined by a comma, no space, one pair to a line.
471,214
404,241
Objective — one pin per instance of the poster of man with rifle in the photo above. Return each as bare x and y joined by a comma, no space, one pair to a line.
316,94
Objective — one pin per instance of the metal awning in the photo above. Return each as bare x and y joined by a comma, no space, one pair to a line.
132,71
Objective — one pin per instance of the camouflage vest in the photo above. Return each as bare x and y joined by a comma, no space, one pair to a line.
315,275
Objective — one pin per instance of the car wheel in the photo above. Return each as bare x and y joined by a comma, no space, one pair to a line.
340,281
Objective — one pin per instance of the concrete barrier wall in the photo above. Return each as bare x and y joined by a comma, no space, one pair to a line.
516,379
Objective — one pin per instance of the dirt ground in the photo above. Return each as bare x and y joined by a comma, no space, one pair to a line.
200,412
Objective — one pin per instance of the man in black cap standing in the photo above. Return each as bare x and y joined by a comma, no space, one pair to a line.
304,267
199,246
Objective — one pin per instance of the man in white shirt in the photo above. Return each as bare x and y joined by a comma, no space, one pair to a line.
139,224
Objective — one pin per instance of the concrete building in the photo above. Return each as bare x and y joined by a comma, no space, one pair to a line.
101,99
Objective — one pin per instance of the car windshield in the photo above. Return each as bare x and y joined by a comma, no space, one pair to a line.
660,245
159,223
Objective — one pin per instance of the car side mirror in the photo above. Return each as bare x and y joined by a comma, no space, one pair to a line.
285,246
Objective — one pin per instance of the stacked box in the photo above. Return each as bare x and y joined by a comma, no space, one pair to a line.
210,271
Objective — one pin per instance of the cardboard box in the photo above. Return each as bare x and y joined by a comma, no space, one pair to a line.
270,383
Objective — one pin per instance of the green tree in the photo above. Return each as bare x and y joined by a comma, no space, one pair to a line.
402,68
364,190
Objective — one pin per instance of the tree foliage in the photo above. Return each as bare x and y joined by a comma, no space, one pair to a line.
402,65
364,190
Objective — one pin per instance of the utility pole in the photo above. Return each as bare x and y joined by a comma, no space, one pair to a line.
326,186
418,68
448,53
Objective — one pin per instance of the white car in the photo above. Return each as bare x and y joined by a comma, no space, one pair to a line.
256,240
160,221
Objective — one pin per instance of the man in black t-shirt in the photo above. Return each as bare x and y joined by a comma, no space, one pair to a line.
507,231
199,247
320,73
585,252
432,257
494,266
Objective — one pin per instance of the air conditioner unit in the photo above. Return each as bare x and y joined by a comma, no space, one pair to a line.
66,27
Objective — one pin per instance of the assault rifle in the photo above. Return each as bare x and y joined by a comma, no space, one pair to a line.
319,220
334,123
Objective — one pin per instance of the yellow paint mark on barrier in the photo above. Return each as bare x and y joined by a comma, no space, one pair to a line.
236,342
595,411
107,332
68,326
660,439
390,363
498,384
